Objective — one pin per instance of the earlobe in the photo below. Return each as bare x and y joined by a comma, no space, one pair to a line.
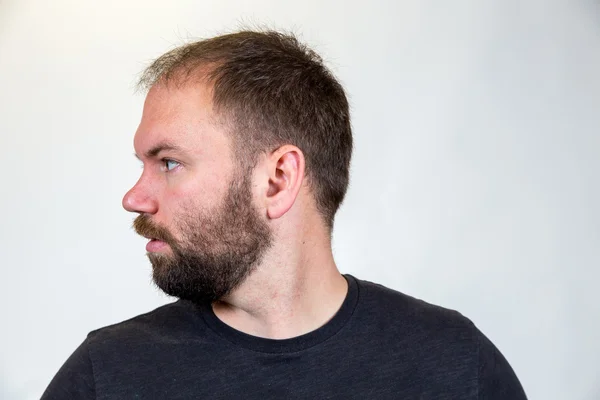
285,180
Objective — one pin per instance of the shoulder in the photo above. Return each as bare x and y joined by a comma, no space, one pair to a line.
391,306
437,338
162,324
405,323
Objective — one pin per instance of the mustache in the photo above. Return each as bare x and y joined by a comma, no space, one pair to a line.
144,226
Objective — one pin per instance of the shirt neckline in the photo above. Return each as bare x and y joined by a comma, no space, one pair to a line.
290,345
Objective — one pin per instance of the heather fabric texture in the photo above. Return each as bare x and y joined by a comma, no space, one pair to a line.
381,344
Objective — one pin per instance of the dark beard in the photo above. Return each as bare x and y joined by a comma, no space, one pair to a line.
218,250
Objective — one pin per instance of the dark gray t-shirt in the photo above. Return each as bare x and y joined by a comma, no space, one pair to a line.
381,344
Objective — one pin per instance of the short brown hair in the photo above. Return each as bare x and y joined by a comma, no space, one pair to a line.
272,90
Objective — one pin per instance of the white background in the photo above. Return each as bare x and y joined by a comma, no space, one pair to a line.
474,181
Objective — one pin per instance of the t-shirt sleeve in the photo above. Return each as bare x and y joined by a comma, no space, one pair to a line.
497,380
75,379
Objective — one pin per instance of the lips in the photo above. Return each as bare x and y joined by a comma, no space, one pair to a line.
158,237
155,245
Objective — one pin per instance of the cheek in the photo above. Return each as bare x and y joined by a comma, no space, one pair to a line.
194,199
200,192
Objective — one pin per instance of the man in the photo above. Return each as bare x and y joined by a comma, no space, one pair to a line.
246,143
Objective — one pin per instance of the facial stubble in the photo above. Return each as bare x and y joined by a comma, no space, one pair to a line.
219,249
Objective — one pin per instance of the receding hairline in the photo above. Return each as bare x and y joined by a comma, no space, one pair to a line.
198,73
184,62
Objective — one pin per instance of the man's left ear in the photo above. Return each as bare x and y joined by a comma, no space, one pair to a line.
286,175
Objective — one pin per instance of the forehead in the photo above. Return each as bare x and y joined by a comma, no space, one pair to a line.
180,115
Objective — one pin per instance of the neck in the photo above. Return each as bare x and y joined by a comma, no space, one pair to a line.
296,289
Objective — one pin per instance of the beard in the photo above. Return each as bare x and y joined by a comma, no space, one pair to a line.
218,249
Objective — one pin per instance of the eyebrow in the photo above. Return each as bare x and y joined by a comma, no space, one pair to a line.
156,150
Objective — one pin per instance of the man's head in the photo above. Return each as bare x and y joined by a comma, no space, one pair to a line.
231,126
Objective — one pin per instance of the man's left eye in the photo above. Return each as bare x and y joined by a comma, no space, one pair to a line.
170,164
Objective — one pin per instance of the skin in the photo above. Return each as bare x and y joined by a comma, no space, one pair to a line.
297,287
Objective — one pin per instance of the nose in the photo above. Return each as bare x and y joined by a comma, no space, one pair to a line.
139,199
